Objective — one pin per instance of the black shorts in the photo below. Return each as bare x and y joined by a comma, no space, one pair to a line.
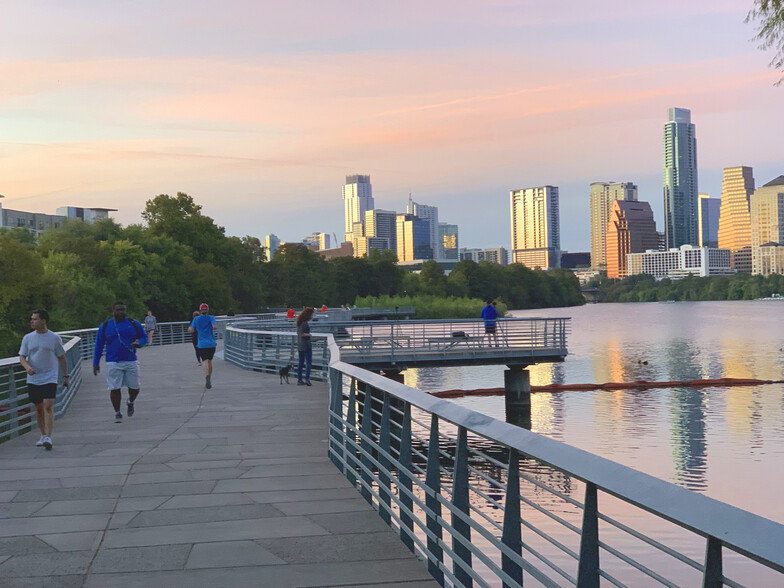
37,392
206,352
489,328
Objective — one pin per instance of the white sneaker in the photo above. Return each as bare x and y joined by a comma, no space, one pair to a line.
47,443
40,442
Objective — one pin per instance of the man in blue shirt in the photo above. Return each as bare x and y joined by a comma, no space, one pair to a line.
122,337
204,326
489,314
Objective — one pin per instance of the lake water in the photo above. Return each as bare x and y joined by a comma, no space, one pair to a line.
724,442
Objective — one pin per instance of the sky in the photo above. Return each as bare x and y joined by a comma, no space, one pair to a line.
258,109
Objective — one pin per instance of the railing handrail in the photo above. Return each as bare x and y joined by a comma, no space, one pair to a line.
15,360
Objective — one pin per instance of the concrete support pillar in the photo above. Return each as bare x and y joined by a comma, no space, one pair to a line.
517,390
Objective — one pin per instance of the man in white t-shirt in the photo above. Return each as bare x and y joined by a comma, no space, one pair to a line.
40,353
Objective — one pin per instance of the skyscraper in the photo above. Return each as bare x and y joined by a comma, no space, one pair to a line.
680,179
536,235
413,238
631,229
448,246
737,187
382,224
428,214
357,198
767,228
602,196
708,220
271,244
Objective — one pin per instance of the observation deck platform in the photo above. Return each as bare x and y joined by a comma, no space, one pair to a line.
230,486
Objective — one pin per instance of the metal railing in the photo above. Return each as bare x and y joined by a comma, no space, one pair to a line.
485,502
17,413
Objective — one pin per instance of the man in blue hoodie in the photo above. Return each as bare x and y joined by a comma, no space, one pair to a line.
122,337
490,314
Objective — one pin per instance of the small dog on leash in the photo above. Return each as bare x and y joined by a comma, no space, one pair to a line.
284,373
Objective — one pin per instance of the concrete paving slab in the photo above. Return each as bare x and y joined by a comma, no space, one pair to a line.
291,469
24,566
93,481
202,500
281,483
68,494
167,488
339,548
8,495
72,507
141,559
20,509
159,477
82,541
230,554
45,582
367,521
140,504
344,493
48,525
24,545
120,520
179,516
322,506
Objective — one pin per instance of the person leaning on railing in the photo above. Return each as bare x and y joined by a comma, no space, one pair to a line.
304,346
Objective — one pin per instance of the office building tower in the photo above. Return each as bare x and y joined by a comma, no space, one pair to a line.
767,228
499,255
271,244
318,240
708,220
472,254
357,199
428,214
680,179
536,238
448,249
382,224
413,238
737,186
363,245
631,229
679,263
603,194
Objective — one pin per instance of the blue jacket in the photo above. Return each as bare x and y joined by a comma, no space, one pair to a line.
117,337
489,313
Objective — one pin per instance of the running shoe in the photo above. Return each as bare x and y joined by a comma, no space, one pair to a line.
209,382
130,409
47,443
40,442
301,383
307,383
118,417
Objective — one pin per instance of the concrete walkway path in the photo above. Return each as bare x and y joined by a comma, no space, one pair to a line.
221,488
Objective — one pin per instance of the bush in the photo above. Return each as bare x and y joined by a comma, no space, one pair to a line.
432,307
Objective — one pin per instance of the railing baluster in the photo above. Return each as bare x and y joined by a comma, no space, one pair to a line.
433,482
460,500
13,411
406,463
367,448
351,436
383,479
588,568
336,418
713,564
511,536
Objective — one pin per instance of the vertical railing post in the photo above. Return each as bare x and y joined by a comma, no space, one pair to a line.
511,536
433,482
13,403
588,567
336,419
366,445
460,500
351,436
384,502
406,485
713,565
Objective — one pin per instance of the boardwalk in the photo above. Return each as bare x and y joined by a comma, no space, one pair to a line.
226,487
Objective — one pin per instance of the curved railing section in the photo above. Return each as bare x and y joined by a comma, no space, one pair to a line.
485,502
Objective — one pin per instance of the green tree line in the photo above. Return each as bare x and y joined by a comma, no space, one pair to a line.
178,258
644,288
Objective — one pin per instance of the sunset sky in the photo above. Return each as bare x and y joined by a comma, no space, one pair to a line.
259,109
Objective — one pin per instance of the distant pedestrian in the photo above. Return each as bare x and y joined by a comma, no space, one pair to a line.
195,340
150,324
490,314
323,308
204,325
40,353
290,313
304,345
122,337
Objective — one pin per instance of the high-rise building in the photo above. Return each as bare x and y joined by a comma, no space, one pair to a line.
271,244
603,194
413,238
363,245
448,248
680,179
382,223
767,228
737,187
631,229
708,220
428,214
536,237
319,240
497,255
357,199
679,263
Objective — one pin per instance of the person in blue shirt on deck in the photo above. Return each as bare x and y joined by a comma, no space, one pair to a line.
204,326
490,314
122,337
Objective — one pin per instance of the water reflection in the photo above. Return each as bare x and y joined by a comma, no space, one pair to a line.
689,448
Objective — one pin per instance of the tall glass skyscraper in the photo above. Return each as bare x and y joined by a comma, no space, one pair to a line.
536,227
357,199
709,211
680,180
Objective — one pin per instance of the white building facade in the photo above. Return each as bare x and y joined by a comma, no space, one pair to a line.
535,224
679,263
357,199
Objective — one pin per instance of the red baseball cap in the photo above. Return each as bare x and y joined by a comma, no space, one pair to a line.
204,306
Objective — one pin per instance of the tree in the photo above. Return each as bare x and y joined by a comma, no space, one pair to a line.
769,14
432,279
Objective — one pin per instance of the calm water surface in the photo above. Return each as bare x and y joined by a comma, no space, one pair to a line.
727,443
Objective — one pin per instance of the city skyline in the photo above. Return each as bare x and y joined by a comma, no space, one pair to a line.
258,115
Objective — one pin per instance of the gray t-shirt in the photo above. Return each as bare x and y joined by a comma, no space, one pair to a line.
303,342
42,351
150,323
